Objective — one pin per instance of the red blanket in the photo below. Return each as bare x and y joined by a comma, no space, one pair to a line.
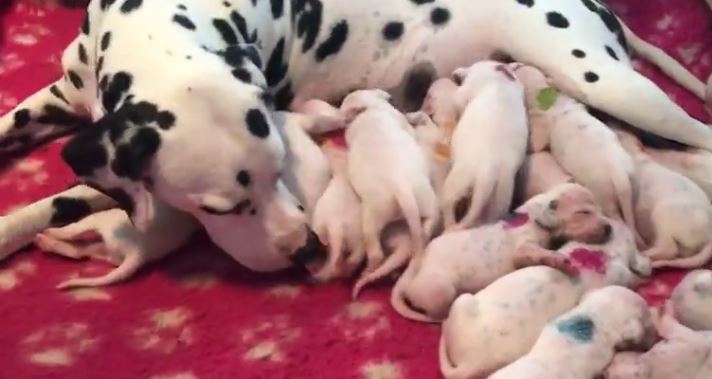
198,314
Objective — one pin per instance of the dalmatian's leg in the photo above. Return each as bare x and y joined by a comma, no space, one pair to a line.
19,228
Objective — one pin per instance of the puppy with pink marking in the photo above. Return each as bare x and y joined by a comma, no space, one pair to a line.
468,261
488,144
584,146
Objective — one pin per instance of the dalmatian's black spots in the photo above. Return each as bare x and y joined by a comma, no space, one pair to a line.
242,75
226,32
276,69
557,20
439,16
307,15
244,178
56,92
333,44
130,5
21,118
86,26
416,85
67,210
75,79
254,3
54,115
422,2
132,158
84,153
528,3
114,89
227,4
393,30
124,200
590,5
182,7
184,22
105,41
166,120
105,4
579,328
241,25
99,67
578,53
277,8
284,97
257,123
82,52
612,23
612,53
591,77
268,99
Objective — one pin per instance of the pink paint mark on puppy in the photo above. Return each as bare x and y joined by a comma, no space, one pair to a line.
338,139
593,260
516,220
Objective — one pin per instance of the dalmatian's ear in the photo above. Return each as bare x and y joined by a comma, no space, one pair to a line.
543,210
459,75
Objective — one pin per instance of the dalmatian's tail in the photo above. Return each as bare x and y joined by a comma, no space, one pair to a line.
696,261
130,265
665,63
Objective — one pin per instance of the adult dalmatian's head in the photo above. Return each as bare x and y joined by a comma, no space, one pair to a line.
216,154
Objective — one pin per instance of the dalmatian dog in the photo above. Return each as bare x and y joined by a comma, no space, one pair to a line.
682,354
695,164
582,342
675,214
215,66
494,327
109,235
606,169
539,173
468,261
692,300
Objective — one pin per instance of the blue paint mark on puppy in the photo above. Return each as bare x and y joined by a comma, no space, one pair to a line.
580,328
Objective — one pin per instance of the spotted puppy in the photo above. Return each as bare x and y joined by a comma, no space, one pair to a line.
674,214
692,300
605,169
581,343
695,164
468,261
389,186
488,144
110,236
539,173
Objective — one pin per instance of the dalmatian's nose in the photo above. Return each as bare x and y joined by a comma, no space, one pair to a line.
312,254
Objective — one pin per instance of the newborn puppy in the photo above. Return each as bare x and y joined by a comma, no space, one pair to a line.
306,171
540,173
695,164
496,326
488,145
337,220
581,343
682,354
585,148
673,213
390,187
439,104
435,142
692,300
468,261
109,235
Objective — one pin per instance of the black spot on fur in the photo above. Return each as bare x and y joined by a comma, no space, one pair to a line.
133,157
184,22
590,5
421,2
54,90
257,123
99,67
84,153
226,32
130,5
439,16
308,17
283,98
333,44
244,178
76,80
105,4
124,200
557,20
591,77
105,41
54,115
67,210
276,69
227,4
417,84
241,25
578,53
235,55
182,7
113,92
242,75
166,120
393,30
21,118
277,8
612,23
612,52
529,3
82,51
86,28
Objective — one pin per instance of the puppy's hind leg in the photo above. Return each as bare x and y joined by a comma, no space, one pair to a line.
457,186
502,201
373,223
485,186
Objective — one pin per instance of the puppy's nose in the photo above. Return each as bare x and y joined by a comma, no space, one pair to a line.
607,230
312,251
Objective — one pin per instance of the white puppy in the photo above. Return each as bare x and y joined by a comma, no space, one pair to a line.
581,343
540,173
468,261
439,104
692,300
585,148
674,214
109,235
435,142
390,186
695,164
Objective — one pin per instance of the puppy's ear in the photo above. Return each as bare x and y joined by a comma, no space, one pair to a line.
459,75
545,214
350,113
383,94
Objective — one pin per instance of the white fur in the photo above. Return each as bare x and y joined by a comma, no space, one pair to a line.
692,300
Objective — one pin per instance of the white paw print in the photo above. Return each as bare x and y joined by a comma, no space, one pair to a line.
381,370
167,329
361,320
58,345
264,342
13,276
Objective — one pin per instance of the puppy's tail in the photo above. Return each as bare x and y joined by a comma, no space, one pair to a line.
447,368
696,261
405,197
624,193
398,301
128,267
398,258
665,63
485,186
